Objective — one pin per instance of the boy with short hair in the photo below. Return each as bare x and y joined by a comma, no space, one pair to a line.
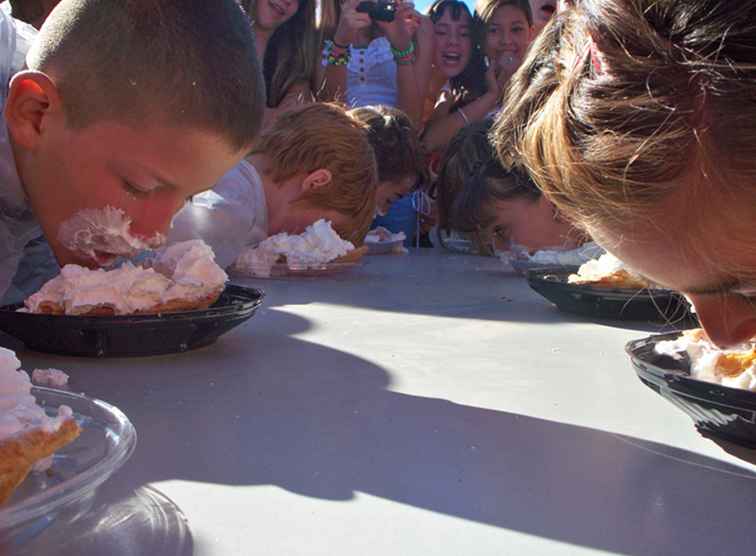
314,162
127,105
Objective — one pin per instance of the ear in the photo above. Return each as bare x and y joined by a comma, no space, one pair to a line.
32,99
317,179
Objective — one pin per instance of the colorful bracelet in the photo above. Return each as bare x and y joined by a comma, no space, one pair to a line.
331,59
406,61
399,54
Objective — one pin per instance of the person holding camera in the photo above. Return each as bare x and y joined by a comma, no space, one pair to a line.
379,54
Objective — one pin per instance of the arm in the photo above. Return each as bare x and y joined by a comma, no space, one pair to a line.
333,83
412,70
297,95
445,123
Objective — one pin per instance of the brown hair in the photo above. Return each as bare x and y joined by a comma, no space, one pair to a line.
618,98
472,179
484,11
468,151
395,142
189,63
323,135
293,51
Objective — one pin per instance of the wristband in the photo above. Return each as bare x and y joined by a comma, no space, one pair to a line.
406,61
399,54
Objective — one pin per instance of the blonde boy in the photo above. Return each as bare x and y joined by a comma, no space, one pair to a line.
314,162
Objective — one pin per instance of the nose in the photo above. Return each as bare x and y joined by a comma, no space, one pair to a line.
155,215
727,319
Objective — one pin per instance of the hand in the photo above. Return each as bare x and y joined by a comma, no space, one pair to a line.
506,66
351,22
400,31
424,35
492,82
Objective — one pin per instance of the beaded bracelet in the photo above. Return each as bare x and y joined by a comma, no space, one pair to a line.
399,54
331,59
406,61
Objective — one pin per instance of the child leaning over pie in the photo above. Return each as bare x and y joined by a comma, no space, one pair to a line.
91,125
312,163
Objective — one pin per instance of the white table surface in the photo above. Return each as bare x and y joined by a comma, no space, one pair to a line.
420,405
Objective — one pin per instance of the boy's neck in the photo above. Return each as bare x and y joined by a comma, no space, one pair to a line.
275,204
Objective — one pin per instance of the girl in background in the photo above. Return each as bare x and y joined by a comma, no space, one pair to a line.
491,205
288,46
370,62
501,32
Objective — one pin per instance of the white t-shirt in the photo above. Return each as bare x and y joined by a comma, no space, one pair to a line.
229,217
371,75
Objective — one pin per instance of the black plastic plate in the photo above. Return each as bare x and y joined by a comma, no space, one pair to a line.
132,335
649,305
719,411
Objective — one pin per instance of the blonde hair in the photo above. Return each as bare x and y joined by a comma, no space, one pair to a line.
618,98
323,135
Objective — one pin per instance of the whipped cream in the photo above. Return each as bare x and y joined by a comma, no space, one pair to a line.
706,359
19,412
103,235
184,271
191,265
318,245
606,265
54,378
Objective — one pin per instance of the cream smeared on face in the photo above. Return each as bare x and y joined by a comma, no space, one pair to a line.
103,235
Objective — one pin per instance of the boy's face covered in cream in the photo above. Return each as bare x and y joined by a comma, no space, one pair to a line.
109,190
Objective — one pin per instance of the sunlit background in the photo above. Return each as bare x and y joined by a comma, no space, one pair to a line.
422,5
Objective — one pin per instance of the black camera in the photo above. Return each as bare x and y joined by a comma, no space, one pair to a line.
378,11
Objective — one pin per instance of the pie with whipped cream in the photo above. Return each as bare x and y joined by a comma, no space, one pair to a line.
734,366
317,246
28,436
608,272
180,277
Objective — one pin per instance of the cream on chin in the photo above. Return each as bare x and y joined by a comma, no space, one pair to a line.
102,235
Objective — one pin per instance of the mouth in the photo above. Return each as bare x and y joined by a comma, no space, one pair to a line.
277,9
103,235
451,58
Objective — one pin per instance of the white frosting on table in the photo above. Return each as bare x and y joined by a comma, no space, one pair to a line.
185,270
704,357
596,269
319,244
19,412
54,378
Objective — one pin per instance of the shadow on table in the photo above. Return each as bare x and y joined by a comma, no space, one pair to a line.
429,283
324,424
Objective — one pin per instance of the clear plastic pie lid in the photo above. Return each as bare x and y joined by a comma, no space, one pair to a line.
106,442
